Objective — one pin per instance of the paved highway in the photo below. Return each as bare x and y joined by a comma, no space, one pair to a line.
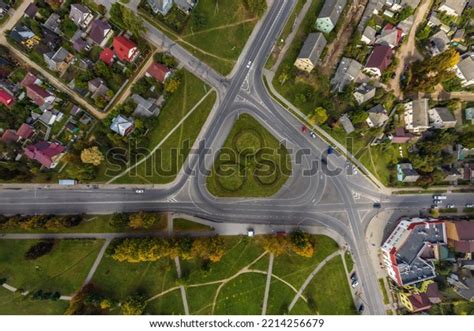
333,203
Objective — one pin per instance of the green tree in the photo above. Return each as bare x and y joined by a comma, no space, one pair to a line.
318,117
172,85
134,305
256,7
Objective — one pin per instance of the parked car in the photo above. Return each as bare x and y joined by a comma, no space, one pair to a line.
250,232
312,134
361,308
139,191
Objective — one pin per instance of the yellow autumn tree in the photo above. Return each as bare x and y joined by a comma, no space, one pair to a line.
92,156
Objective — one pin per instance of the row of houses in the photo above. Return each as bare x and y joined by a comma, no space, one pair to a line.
163,7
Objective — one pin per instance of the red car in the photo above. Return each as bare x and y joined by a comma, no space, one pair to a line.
304,129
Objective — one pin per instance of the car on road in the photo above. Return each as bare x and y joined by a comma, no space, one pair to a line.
437,202
250,232
355,283
439,197
330,150
354,276
249,64
450,206
377,205
139,191
361,308
312,134
304,129
354,170
469,205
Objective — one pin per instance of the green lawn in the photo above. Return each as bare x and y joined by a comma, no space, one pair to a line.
169,304
16,304
242,296
330,290
378,160
181,224
121,279
203,37
252,162
349,261
280,297
295,269
64,269
384,291
200,299
163,166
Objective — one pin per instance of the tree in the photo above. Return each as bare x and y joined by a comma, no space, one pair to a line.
318,117
301,244
142,220
127,19
92,156
172,85
39,249
134,305
256,7
211,248
119,220
277,245
359,116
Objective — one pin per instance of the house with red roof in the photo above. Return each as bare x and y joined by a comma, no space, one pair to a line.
125,49
25,131
35,92
46,153
6,98
158,71
9,136
379,60
107,56
390,36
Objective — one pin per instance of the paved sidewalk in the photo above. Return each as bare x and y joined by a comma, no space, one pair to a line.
267,285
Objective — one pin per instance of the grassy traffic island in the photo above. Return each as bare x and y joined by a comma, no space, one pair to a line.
252,162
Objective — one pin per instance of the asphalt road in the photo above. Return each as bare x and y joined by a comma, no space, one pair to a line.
304,200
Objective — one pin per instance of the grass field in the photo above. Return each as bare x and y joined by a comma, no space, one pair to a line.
64,269
252,163
349,261
200,299
169,304
204,37
330,290
163,166
16,304
181,224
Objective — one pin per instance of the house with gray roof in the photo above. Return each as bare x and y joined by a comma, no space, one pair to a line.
349,70
465,71
185,5
377,116
346,123
406,25
329,15
160,6
59,60
122,125
453,7
311,52
397,5
439,42
441,118
53,23
100,32
406,173
416,116
368,36
80,15
364,93
146,107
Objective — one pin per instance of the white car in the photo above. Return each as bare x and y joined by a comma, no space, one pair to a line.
450,206
139,191
250,232
355,283
312,134
249,64
469,205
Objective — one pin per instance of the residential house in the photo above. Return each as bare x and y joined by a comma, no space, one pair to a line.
416,302
363,93
122,125
406,25
377,116
368,36
453,7
468,172
107,56
390,36
439,42
346,124
329,15
379,60
100,32
185,5
53,23
465,71
81,15
46,153
125,49
158,71
98,88
25,131
31,10
410,249
3,8
469,115
37,93
24,36
50,41
6,98
451,174
79,43
401,136
458,36
48,117
9,136
416,116
441,118
397,5
311,52
461,235
146,107
160,6
349,70
406,173
58,61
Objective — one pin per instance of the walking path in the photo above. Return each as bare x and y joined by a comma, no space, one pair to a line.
267,285
311,276
97,261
